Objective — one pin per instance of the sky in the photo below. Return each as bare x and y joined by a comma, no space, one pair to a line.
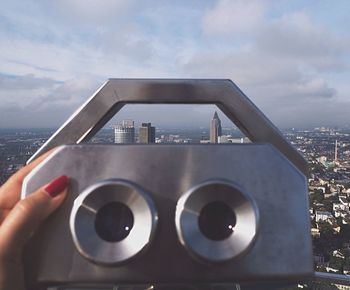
291,58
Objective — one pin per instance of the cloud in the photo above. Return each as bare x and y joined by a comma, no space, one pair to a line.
24,89
295,37
229,17
55,53
42,103
283,62
93,11
25,82
59,41
315,87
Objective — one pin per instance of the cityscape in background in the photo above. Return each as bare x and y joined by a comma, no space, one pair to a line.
326,149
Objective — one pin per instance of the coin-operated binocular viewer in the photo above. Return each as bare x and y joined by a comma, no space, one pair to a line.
166,214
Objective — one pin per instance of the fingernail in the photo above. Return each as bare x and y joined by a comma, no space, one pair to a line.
57,185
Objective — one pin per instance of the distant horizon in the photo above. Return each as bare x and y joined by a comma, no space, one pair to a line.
185,127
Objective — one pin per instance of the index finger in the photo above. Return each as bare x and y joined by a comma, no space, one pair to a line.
11,189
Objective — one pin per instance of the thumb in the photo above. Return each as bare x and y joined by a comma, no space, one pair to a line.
29,213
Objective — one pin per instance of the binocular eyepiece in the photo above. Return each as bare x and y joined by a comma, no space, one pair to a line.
114,220
216,221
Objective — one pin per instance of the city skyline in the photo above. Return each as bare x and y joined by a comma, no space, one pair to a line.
291,58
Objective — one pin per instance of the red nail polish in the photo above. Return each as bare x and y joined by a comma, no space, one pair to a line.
57,185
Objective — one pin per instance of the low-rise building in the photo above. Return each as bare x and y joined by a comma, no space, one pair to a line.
315,232
339,254
322,215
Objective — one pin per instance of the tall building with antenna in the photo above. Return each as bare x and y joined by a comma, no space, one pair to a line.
215,129
336,152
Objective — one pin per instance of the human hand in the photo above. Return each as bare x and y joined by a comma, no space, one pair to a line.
20,218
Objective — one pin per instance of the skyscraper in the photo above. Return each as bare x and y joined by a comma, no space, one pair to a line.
124,133
215,129
147,133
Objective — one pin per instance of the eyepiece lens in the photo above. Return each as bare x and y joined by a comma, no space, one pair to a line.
217,220
114,222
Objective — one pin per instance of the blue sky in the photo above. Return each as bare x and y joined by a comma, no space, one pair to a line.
292,58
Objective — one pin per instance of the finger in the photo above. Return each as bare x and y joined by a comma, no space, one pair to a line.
29,213
11,190
3,214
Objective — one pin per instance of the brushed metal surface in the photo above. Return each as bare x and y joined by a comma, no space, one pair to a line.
115,93
282,248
